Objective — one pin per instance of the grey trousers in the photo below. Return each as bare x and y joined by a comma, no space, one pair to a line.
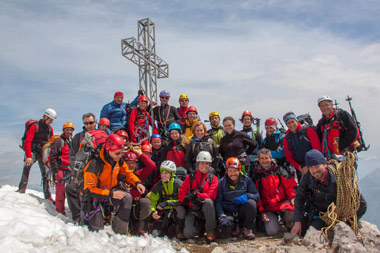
272,227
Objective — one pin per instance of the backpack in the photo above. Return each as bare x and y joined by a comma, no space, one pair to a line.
181,173
28,124
89,148
46,149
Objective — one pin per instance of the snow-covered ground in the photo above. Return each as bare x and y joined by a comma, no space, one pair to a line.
29,223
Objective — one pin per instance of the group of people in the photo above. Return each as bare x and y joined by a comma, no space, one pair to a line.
186,181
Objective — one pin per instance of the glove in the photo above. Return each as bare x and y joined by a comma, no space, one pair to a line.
225,221
187,199
199,202
194,195
241,200
163,204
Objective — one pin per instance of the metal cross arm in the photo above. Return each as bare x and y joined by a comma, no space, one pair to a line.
136,52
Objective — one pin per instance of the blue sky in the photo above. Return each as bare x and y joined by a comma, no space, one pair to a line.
266,56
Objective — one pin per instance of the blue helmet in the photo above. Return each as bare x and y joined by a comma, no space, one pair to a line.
164,93
174,126
155,136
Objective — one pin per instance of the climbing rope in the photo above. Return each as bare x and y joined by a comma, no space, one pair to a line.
348,195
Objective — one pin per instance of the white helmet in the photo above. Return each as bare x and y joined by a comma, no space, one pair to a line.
204,156
50,113
168,166
325,98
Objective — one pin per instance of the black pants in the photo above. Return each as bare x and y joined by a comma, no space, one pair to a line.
36,156
73,200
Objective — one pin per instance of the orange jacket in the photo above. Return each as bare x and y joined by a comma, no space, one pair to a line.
101,175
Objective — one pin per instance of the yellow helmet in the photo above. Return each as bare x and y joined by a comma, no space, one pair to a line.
183,96
213,114
68,124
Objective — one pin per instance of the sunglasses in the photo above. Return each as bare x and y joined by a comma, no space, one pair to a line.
164,97
89,123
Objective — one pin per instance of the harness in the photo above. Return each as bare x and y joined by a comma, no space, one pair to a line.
167,116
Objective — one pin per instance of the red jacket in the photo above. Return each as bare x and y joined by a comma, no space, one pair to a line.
209,190
30,136
275,187
314,143
143,174
138,118
182,114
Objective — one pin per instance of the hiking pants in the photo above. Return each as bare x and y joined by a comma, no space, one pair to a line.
166,226
247,214
60,196
193,221
36,156
141,211
272,227
73,200
124,204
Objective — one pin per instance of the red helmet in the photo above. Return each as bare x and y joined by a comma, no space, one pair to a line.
143,98
233,162
271,122
146,148
130,156
192,109
122,133
114,142
246,113
104,121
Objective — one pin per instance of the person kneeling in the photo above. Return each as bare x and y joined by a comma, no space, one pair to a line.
236,202
101,195
198,192
167,212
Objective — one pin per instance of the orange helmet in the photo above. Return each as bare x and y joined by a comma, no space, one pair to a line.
271,122
143,98
68,124
192,109
146,148
104,121
122,133
233,162
246,113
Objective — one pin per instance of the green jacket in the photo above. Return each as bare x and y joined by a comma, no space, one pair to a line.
216,134
165,194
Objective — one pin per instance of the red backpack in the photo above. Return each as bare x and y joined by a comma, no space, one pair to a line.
28,125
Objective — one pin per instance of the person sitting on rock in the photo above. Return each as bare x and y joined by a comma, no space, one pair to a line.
236,202
319,187
276,188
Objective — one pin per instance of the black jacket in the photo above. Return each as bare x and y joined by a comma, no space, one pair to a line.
236,143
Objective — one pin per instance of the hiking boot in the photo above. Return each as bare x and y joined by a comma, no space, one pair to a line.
210,237
141,232
21,191
180,236
119,226
236,231
248,234
52,200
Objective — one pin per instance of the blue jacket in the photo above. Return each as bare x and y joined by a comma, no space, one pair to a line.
225,200
279,140
115,113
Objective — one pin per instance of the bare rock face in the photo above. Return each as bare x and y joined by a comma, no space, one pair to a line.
314,239
345,239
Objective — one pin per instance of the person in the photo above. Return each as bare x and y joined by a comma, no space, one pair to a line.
156,158
319,187
236,144
216,132
276,188
182,109
123,134
236,202
101,176
191,119
104,125
166,208
274,141
201,141
141,206
336,129
36,137
140,120
60,164
115,111
165,114
198,192
72,188
247,121
176,149
298,140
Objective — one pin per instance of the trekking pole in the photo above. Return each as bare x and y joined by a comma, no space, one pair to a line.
279,121
361,139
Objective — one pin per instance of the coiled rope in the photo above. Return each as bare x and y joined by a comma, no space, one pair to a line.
348,195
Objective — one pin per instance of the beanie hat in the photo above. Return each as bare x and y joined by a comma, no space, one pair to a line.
290,116
118,93
314,157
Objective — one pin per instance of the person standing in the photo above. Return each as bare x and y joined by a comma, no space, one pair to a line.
182,109
115,112
216,132
36,137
